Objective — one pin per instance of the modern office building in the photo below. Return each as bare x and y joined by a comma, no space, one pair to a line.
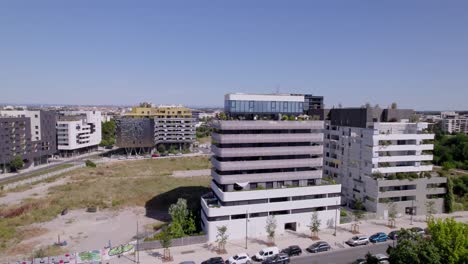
380,158
29,134
453,122
78,132
264,168
248,105
144,128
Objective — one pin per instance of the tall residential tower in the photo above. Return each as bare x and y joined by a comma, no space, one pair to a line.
263,166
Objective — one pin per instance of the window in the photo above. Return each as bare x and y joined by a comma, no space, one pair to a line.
273,105
269,185
285,106
251,104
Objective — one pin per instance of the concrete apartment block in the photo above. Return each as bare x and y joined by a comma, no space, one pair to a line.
381,162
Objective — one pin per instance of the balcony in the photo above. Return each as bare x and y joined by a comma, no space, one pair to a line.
274,193
420,147
266,151
402,169
402,158
265,164
272,176
266,138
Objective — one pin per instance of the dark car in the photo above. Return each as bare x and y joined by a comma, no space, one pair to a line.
281,258
394,234
319,247
292,251
215,260
378,237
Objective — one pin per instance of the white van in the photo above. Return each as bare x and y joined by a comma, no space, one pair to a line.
267,253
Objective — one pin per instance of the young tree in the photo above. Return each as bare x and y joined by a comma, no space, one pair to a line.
392,213
314,226
271,228
411,248
430,210
165,238
161,148
179,215
222,116
448,201
16,164
358,214
221,239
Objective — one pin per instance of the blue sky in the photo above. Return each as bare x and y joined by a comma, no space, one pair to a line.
193,52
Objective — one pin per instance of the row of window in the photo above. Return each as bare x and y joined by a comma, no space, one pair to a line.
265,214
259,158
268,131
267,145
278,170
264,106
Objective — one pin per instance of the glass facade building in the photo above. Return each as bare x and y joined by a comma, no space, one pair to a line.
264,107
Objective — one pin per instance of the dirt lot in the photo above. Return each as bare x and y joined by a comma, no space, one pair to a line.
121,190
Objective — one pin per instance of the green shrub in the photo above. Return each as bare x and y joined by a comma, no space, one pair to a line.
343,213
90,164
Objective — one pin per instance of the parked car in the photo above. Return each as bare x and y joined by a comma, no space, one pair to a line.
241,258
292,251
418,230
266,253
378,237
215,260
155,155
359,261
383,259
319,247
358,240
281,258
394,234
187,262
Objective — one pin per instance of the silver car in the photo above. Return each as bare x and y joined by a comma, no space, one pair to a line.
358,240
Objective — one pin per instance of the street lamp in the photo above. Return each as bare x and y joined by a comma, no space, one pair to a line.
336,217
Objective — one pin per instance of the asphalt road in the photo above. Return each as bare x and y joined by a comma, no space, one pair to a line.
342,256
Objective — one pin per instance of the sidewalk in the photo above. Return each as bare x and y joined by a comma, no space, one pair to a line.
201,252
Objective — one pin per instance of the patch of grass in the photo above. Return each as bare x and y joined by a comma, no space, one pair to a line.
37,173
115,185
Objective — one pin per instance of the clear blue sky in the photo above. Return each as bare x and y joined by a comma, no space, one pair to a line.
193,52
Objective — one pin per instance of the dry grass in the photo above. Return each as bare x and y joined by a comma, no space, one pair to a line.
115,185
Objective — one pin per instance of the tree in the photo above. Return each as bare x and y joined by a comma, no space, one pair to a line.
183,222
271,228
108,133
451,239
90,164
221,239
358,214
411,248
222,116
448,201
161,148
165,238
392,213
371,259
145,104
16,164
393,106
430,210
314,225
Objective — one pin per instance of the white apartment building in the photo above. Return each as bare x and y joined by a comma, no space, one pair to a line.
381,162
78,132
453,122
264,168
